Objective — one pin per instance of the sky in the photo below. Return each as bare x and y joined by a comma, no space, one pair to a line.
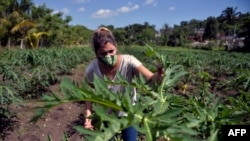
121,13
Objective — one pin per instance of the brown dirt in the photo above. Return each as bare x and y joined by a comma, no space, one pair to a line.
54,123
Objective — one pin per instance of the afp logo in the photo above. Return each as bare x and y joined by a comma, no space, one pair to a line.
241,132
237,132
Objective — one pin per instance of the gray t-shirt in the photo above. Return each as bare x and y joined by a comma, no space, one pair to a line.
127,69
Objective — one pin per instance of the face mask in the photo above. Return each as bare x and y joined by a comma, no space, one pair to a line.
109,60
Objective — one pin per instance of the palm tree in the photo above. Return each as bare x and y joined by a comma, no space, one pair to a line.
23,28
7,15
12,13
229,17
33,38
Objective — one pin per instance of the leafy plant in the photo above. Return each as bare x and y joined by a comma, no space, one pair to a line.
168,114
7,96
151,123
158,113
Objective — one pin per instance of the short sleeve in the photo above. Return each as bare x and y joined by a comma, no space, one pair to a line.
134,61
89,72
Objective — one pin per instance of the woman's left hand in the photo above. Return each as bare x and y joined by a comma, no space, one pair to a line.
158,76
160,73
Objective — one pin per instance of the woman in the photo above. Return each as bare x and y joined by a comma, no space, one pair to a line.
107,63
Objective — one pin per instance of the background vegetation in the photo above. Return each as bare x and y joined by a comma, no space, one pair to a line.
26,25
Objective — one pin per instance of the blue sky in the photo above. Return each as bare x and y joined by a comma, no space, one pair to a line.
120,13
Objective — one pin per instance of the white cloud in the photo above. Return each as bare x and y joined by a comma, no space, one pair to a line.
65,10
149,2
55,12
82,1
172,8
104,13
123,9
81,9
126,9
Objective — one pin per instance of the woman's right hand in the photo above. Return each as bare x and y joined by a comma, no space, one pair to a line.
88,124
88,113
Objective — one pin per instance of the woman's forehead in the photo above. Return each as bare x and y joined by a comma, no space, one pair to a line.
108,46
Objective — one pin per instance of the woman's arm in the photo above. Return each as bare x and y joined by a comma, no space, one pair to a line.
88,112
145,72
149,76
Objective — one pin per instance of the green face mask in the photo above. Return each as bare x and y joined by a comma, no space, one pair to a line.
109,60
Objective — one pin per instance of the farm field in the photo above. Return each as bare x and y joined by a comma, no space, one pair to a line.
203,91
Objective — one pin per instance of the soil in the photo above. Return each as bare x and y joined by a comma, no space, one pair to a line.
56,123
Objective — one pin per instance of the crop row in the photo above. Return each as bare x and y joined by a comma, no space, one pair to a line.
28,73
228,72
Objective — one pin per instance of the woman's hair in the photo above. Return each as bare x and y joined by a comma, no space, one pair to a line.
101,37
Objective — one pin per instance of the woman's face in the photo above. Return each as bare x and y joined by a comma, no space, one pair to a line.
107,49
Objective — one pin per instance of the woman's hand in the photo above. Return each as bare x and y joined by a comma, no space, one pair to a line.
88,124
160,71
152,78
88,109
158,76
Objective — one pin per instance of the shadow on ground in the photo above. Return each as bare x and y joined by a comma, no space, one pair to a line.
8,122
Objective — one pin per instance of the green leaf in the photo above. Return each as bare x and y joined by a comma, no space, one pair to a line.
49,138
169,116
181,129
65,137
213,136
160,108
150,52
38,114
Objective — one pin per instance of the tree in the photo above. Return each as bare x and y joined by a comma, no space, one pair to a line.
33,38
147,34
164,31
13,12
140,33
23,28
179,36
211,28
7,17
24,8
120,36
229,17
41,14
56,25
245,31
195,28
82,34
